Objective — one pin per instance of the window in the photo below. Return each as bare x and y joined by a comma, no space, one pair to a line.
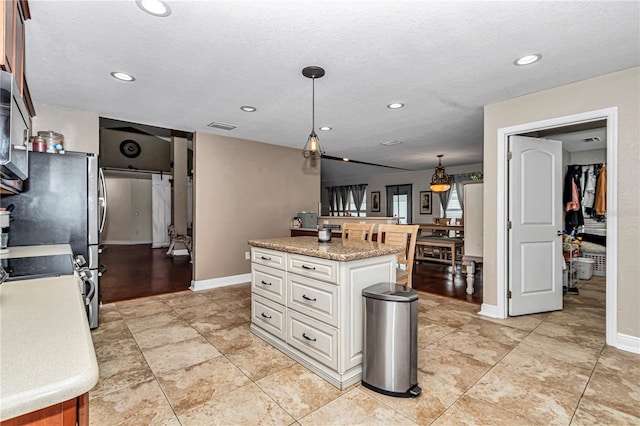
453,210
351,206
337,209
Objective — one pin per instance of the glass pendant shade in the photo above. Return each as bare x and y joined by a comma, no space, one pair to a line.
440,181
313,149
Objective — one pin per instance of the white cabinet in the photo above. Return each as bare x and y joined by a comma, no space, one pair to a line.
311,308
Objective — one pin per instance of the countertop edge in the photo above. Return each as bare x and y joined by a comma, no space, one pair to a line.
274,244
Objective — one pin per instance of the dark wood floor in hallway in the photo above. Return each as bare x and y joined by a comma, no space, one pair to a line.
138,271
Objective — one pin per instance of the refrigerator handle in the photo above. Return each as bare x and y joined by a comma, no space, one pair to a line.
103,200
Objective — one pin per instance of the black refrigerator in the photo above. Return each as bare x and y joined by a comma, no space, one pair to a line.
63,202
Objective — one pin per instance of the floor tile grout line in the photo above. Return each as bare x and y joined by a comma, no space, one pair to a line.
595,365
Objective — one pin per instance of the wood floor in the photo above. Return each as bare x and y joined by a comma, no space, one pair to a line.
138,271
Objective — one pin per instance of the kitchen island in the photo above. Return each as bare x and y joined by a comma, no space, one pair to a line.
306,299
47,359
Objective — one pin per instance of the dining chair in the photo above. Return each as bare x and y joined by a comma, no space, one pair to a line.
404,236
441,232
357,231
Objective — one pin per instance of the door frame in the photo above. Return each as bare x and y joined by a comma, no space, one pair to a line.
502,187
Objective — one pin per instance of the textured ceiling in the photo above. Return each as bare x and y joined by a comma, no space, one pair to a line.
443,60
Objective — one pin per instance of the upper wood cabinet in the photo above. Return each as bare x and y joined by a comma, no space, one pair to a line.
14,14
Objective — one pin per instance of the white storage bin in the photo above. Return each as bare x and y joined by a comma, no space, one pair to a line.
585,268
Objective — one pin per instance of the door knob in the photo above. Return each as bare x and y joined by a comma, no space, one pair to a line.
559,233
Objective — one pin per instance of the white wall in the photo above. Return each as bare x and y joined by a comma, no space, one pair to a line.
80,128
129,211
588,157
419,179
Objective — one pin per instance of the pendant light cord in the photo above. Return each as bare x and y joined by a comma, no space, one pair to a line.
313,105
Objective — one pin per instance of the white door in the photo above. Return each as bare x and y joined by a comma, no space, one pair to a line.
535,213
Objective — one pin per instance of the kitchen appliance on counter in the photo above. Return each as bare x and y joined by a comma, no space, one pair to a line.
309,219
59,204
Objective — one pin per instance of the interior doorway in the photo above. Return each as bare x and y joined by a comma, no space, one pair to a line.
399,203
147,174
610,117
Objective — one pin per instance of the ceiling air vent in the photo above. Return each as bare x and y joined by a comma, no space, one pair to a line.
390,143
593,139
219,125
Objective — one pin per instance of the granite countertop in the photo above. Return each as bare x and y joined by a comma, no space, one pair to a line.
337,249
45,344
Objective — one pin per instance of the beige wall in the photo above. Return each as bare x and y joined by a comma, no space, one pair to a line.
620,90
129,213
244,190
80,128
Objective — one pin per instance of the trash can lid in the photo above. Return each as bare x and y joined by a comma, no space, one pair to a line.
390,291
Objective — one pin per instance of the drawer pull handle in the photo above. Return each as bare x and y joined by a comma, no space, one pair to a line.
313,339
265,258
265,316
309,267
264,282
312,299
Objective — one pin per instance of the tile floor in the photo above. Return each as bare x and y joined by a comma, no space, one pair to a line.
189,359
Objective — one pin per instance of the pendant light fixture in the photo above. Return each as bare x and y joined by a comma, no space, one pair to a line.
440,181
312,148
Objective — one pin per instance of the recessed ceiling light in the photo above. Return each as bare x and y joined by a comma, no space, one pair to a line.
395,106
325,128
122,76
345,159
528,59
154,7
248,108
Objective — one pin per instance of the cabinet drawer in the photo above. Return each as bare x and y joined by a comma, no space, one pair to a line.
269,283
275,259
268,315
314,298
312,337
313,267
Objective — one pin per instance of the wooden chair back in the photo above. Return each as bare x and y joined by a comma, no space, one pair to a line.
404,236
357,231
441,220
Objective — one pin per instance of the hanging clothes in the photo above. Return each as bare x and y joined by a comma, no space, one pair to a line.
571,197
600,205
589,189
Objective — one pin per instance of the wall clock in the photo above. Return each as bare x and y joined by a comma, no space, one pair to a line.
130,148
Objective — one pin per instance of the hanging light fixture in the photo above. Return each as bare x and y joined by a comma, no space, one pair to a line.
440,181
312,148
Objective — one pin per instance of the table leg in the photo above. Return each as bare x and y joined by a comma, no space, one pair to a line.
471,270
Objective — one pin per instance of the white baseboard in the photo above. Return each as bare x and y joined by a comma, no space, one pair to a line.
160,245
220,282
628,343
125,242
487,310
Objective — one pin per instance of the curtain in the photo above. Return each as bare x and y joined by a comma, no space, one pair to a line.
459,183
358,192
444,198
344,197
331,193
161,210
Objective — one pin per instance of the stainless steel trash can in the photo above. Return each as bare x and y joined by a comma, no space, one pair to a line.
390,361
